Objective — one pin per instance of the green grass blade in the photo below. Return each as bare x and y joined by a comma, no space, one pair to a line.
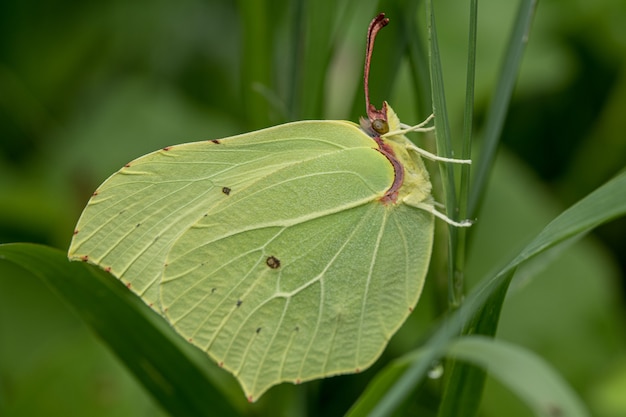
465,382
173,371
528,376
314,54
294,66
382,382
604,204
500,102
442,124
468,126
256,61
444,148
316,30
420,72
468,117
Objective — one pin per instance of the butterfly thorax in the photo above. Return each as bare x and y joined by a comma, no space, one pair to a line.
411,184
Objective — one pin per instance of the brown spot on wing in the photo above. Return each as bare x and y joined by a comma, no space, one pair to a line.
273,262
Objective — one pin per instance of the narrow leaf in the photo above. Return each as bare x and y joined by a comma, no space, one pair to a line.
444,148
256,61
465,382
382,382
500,102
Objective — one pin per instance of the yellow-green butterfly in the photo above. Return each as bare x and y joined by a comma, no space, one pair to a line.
286,254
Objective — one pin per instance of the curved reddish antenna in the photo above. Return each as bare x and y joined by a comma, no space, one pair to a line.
377,24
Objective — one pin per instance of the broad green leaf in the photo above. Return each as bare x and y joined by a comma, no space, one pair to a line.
524,373
177,375
285,254
527,375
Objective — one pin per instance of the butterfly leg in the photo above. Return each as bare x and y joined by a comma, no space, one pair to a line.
434,157
429,207
422,128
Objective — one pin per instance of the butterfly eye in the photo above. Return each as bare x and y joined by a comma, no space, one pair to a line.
380,126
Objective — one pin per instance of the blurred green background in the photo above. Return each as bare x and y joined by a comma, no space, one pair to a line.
86,87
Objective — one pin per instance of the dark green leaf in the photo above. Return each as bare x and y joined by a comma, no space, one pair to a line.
174,372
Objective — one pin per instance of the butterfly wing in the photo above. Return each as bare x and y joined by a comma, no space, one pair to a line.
270,250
